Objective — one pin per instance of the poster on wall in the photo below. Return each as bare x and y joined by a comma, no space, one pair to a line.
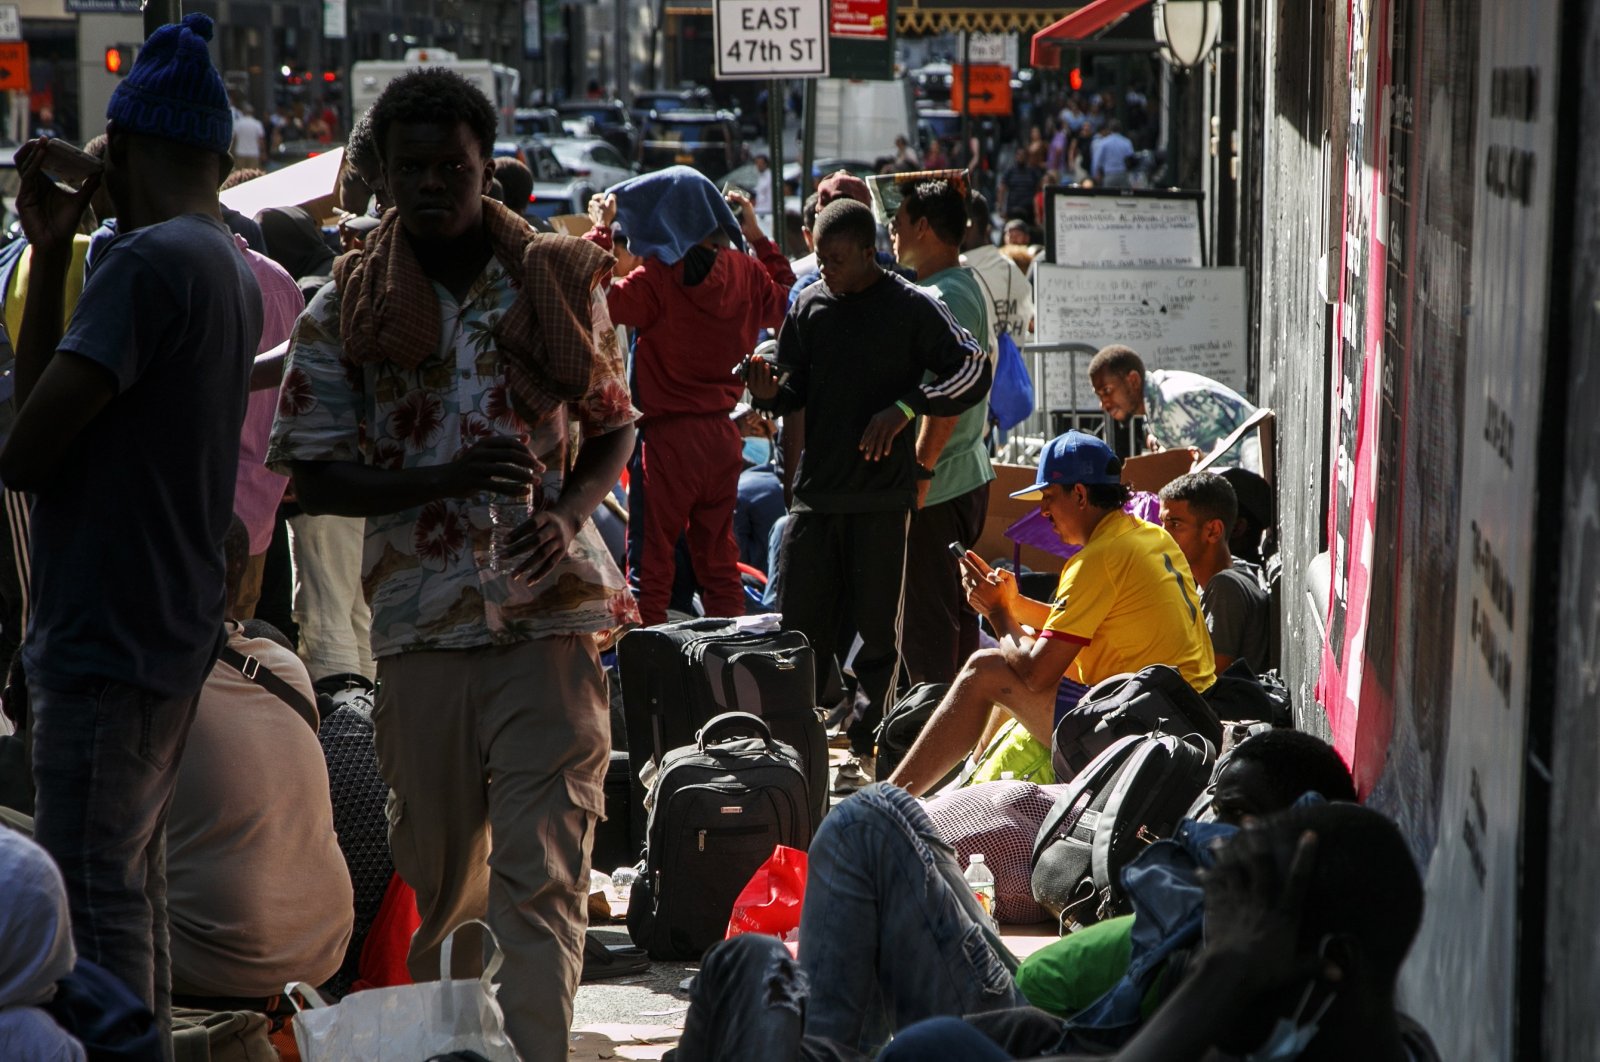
1463,966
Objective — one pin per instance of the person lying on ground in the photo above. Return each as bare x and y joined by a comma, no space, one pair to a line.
1198,510
1308,917
1125,601
890,933
1180,409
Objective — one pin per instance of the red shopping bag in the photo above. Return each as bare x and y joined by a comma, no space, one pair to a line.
771,900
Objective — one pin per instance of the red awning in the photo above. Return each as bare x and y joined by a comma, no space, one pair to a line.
1083,23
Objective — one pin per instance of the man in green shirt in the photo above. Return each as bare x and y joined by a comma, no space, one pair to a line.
941,629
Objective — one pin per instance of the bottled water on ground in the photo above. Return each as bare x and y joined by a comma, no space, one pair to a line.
507,512
981,880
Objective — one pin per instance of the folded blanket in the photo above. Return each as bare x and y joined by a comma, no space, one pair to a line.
389,310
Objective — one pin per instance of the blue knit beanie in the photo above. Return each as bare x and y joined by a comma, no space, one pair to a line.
174,92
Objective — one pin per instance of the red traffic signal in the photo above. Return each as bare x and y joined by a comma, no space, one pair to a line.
119,59
1075,79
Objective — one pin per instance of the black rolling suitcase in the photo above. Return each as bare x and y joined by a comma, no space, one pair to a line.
613,839
676,676
722,804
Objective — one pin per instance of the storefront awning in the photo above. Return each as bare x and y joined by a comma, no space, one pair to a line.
1082,24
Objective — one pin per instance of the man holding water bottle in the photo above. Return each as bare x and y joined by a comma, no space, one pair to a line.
430,383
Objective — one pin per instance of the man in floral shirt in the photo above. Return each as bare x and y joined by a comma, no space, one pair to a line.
443,366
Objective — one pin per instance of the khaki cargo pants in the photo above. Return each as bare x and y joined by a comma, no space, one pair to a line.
496,762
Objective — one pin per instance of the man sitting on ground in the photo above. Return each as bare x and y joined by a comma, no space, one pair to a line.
257,890
1180,409
1125,601
1198,510
882,882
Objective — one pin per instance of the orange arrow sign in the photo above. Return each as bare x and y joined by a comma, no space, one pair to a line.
986,88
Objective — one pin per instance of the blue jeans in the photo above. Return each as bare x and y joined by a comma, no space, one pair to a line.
890,933
105,763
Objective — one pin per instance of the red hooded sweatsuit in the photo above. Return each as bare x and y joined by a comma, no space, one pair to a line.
690,342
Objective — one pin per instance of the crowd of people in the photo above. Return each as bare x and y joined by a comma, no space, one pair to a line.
284,655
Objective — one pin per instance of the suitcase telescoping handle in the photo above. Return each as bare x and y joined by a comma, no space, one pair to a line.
721,727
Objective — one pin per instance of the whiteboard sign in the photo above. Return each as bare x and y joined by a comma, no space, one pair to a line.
1106,231
757,39
1189,319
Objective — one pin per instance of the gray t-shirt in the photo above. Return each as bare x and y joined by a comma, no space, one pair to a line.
127,545
1235,607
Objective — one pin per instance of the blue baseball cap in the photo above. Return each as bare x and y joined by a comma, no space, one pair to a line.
1074,458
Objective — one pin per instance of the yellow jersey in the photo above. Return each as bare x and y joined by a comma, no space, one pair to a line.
1129,599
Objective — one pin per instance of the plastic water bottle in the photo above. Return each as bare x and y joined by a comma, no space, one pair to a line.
981,880
507,512
622,880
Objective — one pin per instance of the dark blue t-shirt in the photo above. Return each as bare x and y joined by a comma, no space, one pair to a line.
127,580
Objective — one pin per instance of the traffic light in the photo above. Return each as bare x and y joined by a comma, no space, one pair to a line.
1075,79
119,59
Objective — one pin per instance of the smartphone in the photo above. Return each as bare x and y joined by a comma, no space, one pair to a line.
67,164
958,551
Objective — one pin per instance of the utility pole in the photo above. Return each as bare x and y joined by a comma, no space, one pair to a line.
775,158
158,13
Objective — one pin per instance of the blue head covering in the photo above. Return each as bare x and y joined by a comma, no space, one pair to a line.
174,92
665,213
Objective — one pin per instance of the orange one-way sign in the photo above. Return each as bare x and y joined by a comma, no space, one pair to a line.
986,88
14,67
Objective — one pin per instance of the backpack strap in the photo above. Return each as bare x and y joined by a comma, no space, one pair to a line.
262,676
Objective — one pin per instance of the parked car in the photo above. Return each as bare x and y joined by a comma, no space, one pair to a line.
537,121
706,140
607,119
697,98
555,191
591,158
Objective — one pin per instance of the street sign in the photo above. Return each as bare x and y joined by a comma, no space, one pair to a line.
993,48
866,20
760,39
14,67
10,23
987,89
104,7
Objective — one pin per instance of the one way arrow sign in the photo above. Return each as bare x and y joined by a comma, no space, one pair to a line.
985,88
14,67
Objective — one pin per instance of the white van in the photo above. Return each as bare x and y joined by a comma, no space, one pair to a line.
500,83
860,119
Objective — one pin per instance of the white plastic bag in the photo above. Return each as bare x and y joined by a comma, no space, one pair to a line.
406,1023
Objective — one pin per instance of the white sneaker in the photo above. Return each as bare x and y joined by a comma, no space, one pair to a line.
854,773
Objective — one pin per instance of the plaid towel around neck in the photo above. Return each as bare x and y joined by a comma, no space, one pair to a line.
390,312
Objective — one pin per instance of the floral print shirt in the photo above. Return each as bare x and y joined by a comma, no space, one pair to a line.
1186,409
426,570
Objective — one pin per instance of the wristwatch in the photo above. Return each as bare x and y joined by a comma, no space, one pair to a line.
923,473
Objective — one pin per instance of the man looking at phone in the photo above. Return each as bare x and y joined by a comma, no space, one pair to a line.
135,411
1126,600
854,357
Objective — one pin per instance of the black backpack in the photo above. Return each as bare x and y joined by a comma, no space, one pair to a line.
1157,698
720,807
677,676
1133,794
904,722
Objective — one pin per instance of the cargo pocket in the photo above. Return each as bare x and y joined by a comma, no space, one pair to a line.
576,803
402,850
